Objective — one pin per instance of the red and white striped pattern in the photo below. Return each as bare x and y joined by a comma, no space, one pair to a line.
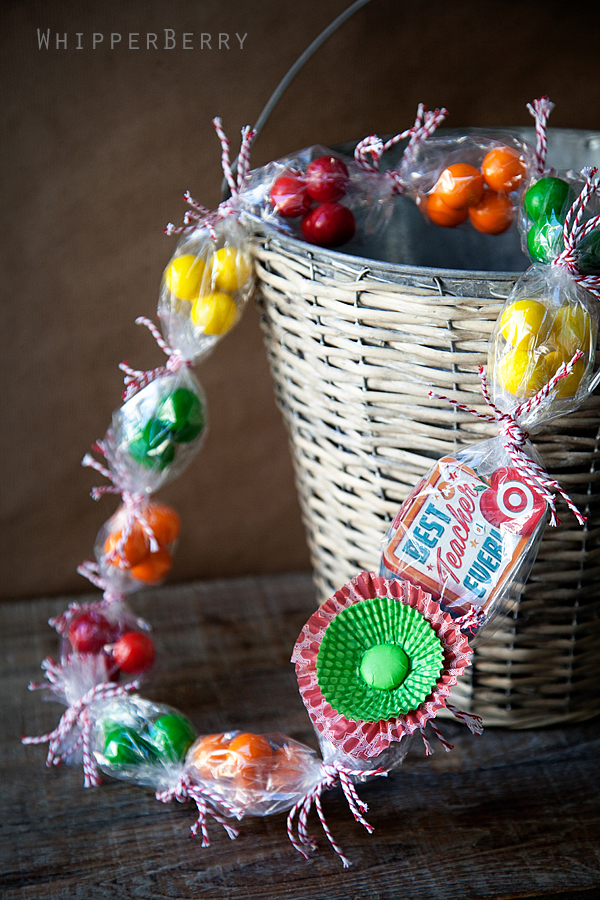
369,151
207,218
540,110
508,427
206,803
78,716
365,740
136,379
575,230
332,775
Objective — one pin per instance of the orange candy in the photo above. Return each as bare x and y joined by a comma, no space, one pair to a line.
165,526
247,759
289,768
460,186
211,756
503,169
493,214
133,552
164,522
153,567
442,214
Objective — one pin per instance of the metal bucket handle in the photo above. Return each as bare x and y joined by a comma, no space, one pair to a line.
291,74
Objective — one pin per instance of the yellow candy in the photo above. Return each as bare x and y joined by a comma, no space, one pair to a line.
524,323
571,330
230,269
521,374
184,275
566,387
215,313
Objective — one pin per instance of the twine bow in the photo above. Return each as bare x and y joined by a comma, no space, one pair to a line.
474,724
332,774
575,230
136,379
515,438
209,218
78,715
205,801
89,570
369,151
540,109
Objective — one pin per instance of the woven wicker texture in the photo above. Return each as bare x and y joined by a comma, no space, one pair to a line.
353,357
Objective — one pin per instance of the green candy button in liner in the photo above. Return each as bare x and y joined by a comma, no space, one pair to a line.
376,662
378,659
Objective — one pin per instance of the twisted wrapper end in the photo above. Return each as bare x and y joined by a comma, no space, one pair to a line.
515,438
205,801
76,716
332,775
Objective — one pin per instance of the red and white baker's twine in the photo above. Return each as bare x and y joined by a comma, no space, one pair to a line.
369,151
201,214
205,801
136,379
533,474
78,715
540,110
332,774
575,230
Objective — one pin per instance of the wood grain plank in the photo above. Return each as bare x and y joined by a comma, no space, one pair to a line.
507,815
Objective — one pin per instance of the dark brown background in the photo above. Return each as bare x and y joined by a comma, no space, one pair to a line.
97,148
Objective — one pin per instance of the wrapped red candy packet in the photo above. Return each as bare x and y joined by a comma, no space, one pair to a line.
318,195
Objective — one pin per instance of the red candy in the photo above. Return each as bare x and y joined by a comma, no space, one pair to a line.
290,197
134,652
326,179
329,225
89,632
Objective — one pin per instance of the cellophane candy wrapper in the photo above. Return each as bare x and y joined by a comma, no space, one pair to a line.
546,319
320,196
545,205
206,286
155,434
253,774
105,643
135,546
134,739
477,179
469,532
389,759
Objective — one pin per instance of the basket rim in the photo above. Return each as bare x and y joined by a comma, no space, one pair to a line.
362,266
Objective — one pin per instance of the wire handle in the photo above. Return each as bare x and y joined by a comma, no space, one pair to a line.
291,74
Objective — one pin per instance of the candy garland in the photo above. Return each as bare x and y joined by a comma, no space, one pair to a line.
411,649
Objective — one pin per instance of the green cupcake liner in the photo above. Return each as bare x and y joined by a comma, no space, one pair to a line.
368,684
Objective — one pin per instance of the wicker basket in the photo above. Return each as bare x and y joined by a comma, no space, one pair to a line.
355,345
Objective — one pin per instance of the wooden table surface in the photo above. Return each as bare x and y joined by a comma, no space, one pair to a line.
508,814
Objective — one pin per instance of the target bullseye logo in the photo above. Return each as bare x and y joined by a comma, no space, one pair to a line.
514,499
511,503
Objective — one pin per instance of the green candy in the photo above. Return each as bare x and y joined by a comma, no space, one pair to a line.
154,448
184,413
384,667
589,254
124,746
545,198
172,736
545,240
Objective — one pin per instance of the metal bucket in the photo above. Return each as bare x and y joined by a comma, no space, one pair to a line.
355,343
